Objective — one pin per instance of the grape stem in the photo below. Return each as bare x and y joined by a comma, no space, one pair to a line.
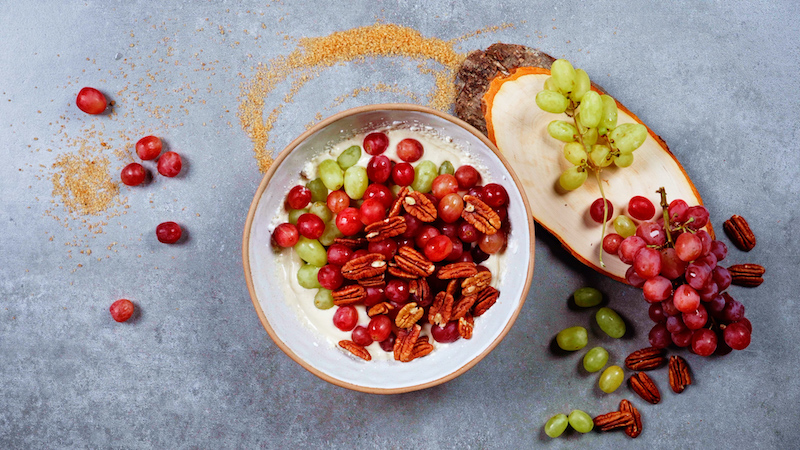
665,209
605,214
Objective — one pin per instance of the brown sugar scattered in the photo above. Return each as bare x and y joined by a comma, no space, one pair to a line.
82,181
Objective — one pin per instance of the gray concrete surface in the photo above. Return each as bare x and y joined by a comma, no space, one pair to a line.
195,369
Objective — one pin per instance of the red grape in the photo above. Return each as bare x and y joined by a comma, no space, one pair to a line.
122,310
361,336
596,210
443,185
148,147
298,197
169,164
447,333
704,342
412,226
381,193
467,177
397,291
168,232
492,243
457,252
652,233
686,299
403,174
688,247
91,101
380,327
409,150
379,168
133,174
697,275
719,249
682,338
659,336
611,243
310,226
633,278
696,319
376,143
330,277
629,247
449,229
468,233
450,208
647,262
669,307
675,324
697,217
387,344
286,235
677,211
671,266
337,201
386,247
709,292
495,195
641,208
657,289
656,313
372,210
345,318
722,277
375,295
737,336
426,232
438,248
348,221
478,255
733,311
338,254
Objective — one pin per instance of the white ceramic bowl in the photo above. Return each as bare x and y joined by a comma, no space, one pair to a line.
314,351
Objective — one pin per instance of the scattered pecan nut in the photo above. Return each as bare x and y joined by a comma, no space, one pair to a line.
643,386
613,420
421,348
747,275
738,230
408,315
404,343
646,359
421,291
462,306
441,309
465,326
413,262
355,349
457,270
386,228
349,295
400,273
377,280
380,308
397,206
366,266
635,429
351,243
679,376
420,206
480,215
476,283
486,298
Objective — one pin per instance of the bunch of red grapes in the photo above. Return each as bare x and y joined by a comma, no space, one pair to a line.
676,263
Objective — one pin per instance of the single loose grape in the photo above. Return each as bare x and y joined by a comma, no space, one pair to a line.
580,421
295,214
575,153
582,85
331,174
595,359
586,297
561,130
591,110
307,276
610,322
573,338
611,379
319,193
424,174
323,299
552,102
320,209
628,137
556,425
573,178
311,251
349,157
447,168
624,226
356,182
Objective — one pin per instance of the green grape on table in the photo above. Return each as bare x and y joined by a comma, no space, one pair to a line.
608,119
595,359
556,425
320,209
552,102
586,297
424,174
575,153
447,168
562,130
624,226
623,160
628,137
573,338
330,234
611,379
323,299
582,85
331,174
563,75
319,193
307,276
349,157
573,178
311,251
580,421
356,182
591,110
610,322
295,214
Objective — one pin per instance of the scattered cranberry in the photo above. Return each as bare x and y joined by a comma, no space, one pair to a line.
169,164
425,233
387,344
468,233
91,101
121,310
412,226
375,295
285,235
133,174
168,232
148,147
386,247
403,174
345,318
376,143
299,197
409,150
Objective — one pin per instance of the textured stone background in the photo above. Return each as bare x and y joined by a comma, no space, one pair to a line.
717,80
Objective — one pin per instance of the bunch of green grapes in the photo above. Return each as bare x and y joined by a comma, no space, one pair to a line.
593,140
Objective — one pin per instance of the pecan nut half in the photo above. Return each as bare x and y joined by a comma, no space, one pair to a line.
400,273
366,266
476,283
386,228
355,349
457,270
679,376
420,206
480,215
349,295
441,309
747,275
465,326
421,291
462,306
380,308
635,429
408,315
397,206
352,244
486,298
646,359
421,348
614,419
738,230
404,343
413,262
643,386
377,280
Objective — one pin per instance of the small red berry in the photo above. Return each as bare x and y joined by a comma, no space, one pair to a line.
91,101
148,147
121,310
169,164
168,232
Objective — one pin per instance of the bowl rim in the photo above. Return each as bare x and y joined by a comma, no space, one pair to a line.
263,186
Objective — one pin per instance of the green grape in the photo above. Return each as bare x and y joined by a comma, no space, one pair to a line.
349,157
311,251
396,189
586,297
550,85
575,153
319,193
582,85
573,178
580,421
591,110
447,168
331,174
424,174
355,182
563,75
295,214
552,102
320,209
610,322
623,160
611,378
600,155
307,276
628,137
608,120
556,425
330,234
595,359
590,136
624,226
573,338
561,130
323,299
